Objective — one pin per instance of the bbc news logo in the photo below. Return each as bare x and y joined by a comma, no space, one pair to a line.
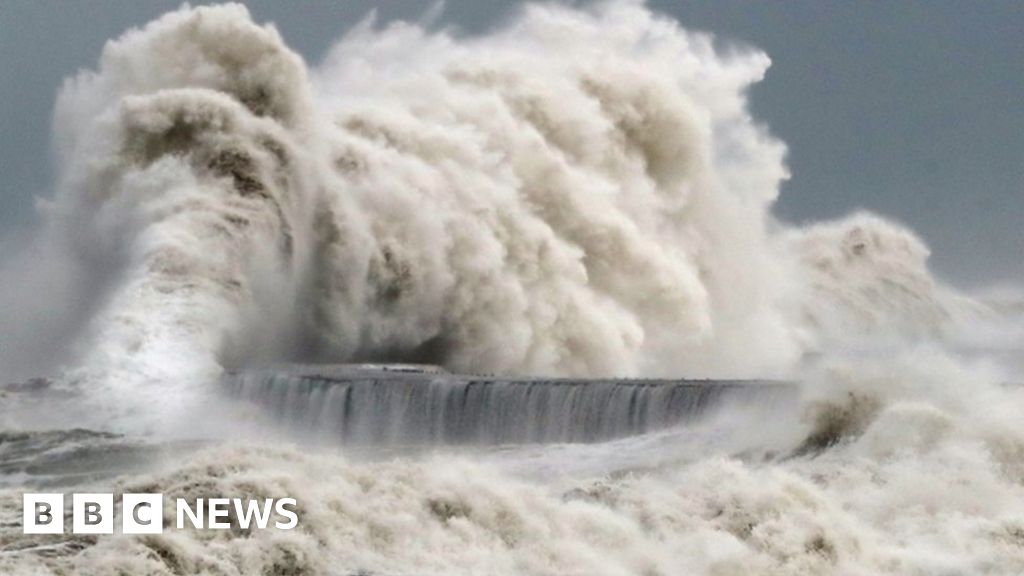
144,513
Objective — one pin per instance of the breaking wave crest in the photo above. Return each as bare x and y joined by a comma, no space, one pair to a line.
577,192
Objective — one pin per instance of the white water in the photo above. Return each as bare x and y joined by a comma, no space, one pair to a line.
378,409
578,192
574,193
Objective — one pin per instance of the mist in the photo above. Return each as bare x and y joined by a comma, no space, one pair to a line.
469,202
576,198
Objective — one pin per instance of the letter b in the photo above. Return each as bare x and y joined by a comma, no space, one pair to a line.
43,514
92,514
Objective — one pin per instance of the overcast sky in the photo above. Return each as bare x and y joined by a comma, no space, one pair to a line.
914,109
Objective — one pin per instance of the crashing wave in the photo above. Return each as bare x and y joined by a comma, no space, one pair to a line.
578,192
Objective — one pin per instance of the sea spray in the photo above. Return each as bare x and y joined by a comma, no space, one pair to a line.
580,192
577,192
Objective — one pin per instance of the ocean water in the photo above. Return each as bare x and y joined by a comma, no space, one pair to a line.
639,371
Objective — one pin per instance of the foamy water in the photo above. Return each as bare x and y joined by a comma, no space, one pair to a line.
577,193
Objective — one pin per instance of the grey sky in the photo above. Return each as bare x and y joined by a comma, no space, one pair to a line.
912,109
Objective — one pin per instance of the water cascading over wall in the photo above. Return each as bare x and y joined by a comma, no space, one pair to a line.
377,406
576,193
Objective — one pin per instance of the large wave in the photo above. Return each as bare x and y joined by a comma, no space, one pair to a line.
578,191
